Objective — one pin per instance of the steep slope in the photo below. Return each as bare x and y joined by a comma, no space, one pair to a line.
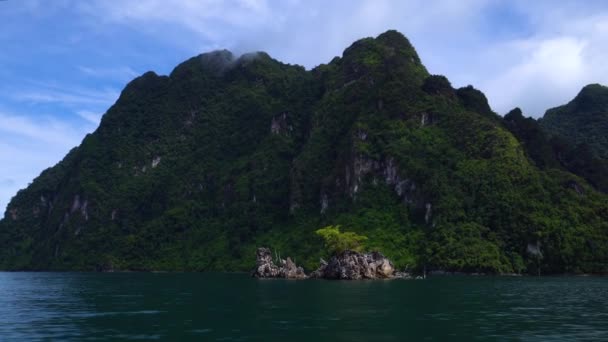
572,137
583,120
535,141
193,170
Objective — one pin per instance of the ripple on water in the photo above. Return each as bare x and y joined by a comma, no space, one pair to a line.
89,307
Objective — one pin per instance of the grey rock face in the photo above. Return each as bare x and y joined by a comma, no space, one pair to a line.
265,267
289,270
350,265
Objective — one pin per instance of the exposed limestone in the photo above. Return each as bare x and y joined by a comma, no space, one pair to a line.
361,167
426,119
66,217
535,249
279,125
75,204
190,118
428,212
84,210
155,161
391,175
14,214
385,169
324,203
350,265
82,206
362,135
290,270
266,268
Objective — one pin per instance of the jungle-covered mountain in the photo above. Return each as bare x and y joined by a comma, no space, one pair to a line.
194,170
583,121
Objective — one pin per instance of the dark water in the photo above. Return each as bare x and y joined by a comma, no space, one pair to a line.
234,307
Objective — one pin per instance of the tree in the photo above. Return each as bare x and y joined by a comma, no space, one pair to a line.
337,242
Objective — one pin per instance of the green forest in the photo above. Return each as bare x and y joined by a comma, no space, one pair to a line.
195,170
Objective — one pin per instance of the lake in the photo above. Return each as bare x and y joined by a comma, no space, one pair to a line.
235,307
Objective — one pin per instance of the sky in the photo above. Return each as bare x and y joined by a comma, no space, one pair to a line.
63,63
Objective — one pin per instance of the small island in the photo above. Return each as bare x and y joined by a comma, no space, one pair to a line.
347,261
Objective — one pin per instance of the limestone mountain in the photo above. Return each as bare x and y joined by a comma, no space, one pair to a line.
571,137
194,170
583,120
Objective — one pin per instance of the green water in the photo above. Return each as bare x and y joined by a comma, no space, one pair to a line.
234,307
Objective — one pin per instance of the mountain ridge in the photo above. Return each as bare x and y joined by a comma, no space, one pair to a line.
194,170
587,113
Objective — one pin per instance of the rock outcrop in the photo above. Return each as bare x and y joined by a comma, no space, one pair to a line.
350,265
290,270
266,268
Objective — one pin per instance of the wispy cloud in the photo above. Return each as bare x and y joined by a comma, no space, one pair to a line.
123,73
72,96
7,182
548,68
532,55
43,129
91,117
197,15
28,146
520,53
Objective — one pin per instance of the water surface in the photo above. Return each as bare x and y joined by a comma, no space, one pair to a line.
234,307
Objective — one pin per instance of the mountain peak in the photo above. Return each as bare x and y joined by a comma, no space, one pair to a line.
592,97
582,120
388,44
396,39
515,113
191,171
388,54
593,87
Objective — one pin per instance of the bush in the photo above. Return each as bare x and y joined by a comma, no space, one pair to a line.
337,242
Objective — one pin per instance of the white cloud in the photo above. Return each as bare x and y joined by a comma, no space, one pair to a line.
90,116
561,49
549,68
72,96
208,18
123,73
302,32
552,73
29,146
549,54
44,129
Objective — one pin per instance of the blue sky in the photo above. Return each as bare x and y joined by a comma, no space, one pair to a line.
64,62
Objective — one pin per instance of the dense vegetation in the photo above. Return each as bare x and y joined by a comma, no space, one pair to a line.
337,242
194,170
583,120
557,152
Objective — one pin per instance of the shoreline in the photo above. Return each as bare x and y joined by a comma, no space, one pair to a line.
413,276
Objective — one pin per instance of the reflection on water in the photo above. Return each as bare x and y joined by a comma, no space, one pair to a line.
234,307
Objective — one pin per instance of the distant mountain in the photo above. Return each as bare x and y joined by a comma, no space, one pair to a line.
194,170
537,144
583,120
